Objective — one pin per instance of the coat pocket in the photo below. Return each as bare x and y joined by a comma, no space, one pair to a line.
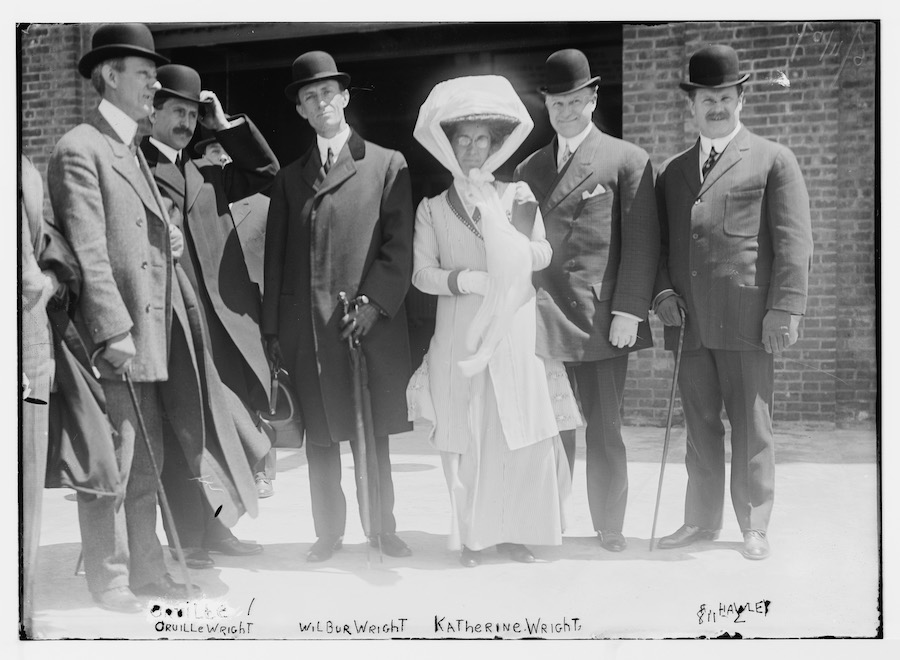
743,212
604,290
753,309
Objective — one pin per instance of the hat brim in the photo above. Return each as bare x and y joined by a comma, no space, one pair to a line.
200,147
688,86
291,90
165,92
92,58
482,117
546,91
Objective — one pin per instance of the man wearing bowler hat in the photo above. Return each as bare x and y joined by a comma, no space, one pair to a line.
110,211
340,220
596,196
214,263
736,252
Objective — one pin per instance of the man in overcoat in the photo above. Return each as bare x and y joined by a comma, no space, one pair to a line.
106,203
736,251
340,220
213,261
596,197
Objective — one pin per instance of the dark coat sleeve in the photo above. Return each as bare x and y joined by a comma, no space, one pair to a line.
254,164
273,266
663,281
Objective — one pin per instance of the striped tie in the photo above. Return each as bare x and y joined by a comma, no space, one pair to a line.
567,154
329,160
710,162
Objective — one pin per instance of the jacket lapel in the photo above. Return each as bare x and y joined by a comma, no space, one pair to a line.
240,210
193,183
689,164
729,158
312,172
345,166
580,167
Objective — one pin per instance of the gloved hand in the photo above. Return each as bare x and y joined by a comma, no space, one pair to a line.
623,331
780,330
473,281
358,322
119,352
176,240
273,350
667,309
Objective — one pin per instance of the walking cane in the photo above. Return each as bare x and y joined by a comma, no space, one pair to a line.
163,500
662,467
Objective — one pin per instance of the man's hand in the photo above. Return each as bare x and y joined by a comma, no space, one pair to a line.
622,331
668,309
358,322
176,240
119,352
474,281
780,330
273,350
212,114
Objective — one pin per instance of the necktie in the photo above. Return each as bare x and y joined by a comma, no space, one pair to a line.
329,160
567,154
476,215
708,165
179,162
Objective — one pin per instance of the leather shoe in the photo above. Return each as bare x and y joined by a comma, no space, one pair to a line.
324,547
516,552
391,545
686,535
469,558
264,487
118,599
230,545
196,558
166,587
612,541
756,545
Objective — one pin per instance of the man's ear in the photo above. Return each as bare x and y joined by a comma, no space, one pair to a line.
110,75
300,111
345,94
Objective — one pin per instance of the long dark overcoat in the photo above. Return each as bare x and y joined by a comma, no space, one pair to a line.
350,230
600,217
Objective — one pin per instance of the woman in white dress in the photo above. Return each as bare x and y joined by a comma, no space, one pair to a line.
476,245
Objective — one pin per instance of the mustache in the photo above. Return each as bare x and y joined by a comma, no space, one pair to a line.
716,116
183,131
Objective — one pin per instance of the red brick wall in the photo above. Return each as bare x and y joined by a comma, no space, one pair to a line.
826,116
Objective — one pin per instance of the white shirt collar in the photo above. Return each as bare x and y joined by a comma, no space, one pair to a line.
572,142
336,144
165,149
719,143
124,126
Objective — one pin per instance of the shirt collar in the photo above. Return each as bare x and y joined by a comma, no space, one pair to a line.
166,150
124,126
719,143
336,144
573,142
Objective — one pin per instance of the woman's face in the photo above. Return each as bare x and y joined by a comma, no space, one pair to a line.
471,145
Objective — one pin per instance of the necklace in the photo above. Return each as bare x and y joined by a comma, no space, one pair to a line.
464,220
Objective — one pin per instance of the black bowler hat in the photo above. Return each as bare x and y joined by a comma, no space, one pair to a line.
311,67
200,147
567,71
713,67
178,81
119,40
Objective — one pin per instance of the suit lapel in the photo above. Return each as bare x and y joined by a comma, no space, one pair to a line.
580,167
729,158
239,211
689,164
193,183
124,163
312,173
345,165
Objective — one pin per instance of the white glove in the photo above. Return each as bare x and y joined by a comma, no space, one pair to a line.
473,281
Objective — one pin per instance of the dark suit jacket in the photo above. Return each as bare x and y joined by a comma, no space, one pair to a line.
736,245
605,245
350,231
203,195
250,216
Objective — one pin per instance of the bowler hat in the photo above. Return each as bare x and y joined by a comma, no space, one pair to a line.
178,81
713,67
200,147
312,67
119,40
567,71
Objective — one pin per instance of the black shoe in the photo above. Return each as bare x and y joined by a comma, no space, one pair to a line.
612,541
756,545
166,587
469,558
686,535
118,599
391,545
196,558
324,547
232,546
516,552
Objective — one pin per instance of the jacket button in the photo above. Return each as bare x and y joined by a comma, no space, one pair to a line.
140,223
147,309
696,201
694,273
695,236
144,265
573,304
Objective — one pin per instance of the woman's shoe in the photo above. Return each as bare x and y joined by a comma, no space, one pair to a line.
516,552
469,558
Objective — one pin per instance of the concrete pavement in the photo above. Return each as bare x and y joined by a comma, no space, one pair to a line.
821,580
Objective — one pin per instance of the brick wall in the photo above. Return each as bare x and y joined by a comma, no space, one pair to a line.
826,115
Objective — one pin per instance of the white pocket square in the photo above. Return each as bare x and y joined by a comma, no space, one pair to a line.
599,190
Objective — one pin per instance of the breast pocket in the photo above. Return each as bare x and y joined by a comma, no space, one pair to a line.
595,207
743,212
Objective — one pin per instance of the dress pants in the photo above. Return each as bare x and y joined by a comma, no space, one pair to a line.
121,548
744,382
329,507
601,388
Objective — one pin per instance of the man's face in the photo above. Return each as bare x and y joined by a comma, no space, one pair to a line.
174,122
215,154
322,105
716,111
571,113
133,88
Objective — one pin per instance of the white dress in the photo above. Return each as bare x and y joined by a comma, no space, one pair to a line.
503,461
